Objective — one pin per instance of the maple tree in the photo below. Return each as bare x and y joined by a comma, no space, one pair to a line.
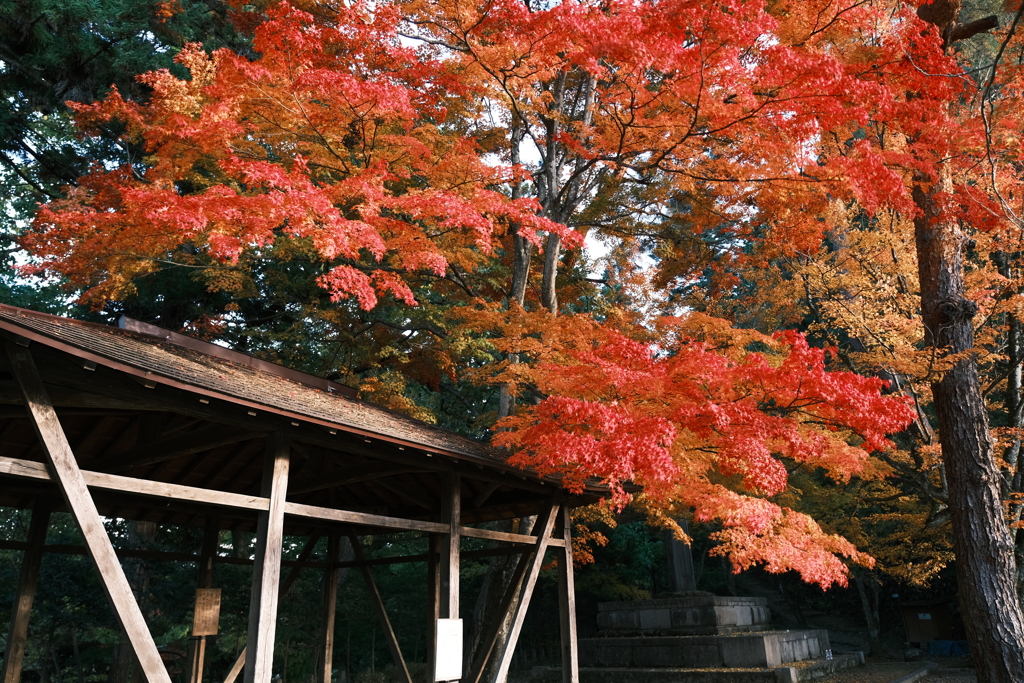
436,153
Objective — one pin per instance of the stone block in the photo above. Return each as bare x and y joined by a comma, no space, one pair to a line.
742,651
655,619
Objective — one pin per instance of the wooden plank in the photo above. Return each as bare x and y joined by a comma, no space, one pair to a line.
299,563
167,449
266,575
505,536
433,602
236,668
567,604
17,634
76,495
543,541
450,561
330,605
145,487
382,614
363,518
495,621
207,553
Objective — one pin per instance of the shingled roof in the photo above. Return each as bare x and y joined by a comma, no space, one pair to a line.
243,379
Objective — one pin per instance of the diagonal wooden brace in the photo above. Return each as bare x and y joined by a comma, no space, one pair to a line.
72,487
543,540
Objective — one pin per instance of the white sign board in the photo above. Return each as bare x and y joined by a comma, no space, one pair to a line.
448,658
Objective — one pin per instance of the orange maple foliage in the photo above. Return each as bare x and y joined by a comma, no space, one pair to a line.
350,165
710,428
384,140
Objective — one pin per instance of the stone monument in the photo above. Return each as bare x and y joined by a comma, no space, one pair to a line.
687,636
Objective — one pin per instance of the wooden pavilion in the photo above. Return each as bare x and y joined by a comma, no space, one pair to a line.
145,424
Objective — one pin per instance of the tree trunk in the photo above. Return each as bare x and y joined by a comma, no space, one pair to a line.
1014,407
985,560
869,604
522,252
548,292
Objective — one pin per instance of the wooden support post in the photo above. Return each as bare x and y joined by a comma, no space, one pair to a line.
266,575
17,634
197,644
537,561
433,602
497,620
450,557
382,615
307,550
83,509
567,604
329,608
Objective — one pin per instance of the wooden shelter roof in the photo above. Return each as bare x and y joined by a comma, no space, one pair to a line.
160,407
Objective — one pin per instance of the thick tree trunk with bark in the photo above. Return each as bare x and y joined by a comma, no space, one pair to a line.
985,559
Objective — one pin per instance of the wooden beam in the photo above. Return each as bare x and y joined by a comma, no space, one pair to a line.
382,614
450,561
330,605
17,634
197,644
363,518
567,604
266,575
110,382
543,541
473,532
32,470
76,495
62,397
433,603
167,449
485,493
299,563
144,487
496,620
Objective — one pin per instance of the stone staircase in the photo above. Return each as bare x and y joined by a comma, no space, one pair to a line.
700,639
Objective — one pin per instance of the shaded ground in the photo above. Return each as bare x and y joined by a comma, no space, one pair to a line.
873,672
951,670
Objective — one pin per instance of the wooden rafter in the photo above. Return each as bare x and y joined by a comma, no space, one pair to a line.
344,476
197,441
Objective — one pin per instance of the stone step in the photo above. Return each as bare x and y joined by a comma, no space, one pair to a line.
806,671
698,615
743,650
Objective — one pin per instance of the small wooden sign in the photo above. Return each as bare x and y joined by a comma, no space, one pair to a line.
207,614
448,657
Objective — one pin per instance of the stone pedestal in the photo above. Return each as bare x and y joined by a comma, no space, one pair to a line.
692,616
700,639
